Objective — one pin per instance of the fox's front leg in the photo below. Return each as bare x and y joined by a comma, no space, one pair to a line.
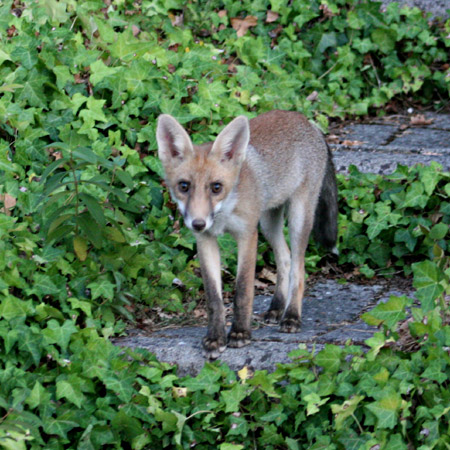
240,333
215,340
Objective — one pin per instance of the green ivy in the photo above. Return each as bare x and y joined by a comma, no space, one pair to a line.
87,232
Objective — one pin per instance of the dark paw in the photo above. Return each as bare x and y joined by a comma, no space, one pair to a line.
238,339
290,325
212,348
272,316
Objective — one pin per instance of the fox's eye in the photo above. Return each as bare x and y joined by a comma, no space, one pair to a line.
183,186
216,188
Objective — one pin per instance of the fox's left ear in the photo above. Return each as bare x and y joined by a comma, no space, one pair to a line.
231,143
173,141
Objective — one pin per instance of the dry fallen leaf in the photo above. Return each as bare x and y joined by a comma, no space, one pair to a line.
272,16
242,25
348,143
313,96
135,30
222,13
333,139
179,392
266,274
9,202
420,119
326,11
177,21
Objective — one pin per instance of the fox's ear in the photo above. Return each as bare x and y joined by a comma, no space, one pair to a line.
173,141
231,144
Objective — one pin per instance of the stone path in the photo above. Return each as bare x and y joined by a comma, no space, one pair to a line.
379,146
331,314
331,311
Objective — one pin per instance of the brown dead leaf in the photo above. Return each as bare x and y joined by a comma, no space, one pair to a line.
242,25
333,139
9,202
313,96
78,77
420,119
349,143
326,11
222,13
135,30
177,21
272,16
200,313
268,275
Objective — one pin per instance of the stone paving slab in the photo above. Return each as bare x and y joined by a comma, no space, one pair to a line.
331,314
421,140
381,162
378,147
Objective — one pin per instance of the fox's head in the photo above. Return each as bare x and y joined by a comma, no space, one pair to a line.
201,178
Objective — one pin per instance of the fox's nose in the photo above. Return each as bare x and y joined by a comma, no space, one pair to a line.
198,224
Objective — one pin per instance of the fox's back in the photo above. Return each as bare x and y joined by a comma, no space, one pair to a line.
285,151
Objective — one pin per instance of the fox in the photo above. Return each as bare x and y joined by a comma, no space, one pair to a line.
256,172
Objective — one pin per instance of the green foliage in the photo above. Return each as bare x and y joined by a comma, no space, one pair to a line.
402,218
87,232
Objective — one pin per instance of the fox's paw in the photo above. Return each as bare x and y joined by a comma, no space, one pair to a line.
290,325
212,347
238,339
272,316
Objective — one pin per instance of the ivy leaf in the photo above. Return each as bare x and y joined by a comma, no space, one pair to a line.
379,222
43,285
234,396
28,57
101,288
70,391
427,281
345,410
385,39
33,94
313,403
11,308
59,427
56,11
31,341
122,386
127,47
435,372
415,196
389,313
386,409
38,396
59,334
330,358
206,380
63,76
100,71
438,231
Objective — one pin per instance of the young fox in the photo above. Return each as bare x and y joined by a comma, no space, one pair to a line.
254,172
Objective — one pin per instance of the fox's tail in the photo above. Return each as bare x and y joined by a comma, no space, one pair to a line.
325,220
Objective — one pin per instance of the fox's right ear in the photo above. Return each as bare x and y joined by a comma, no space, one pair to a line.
173,141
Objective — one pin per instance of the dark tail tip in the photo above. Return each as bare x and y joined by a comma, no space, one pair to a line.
325,219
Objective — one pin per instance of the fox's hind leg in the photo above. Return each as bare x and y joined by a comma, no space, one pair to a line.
301,219
272,222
